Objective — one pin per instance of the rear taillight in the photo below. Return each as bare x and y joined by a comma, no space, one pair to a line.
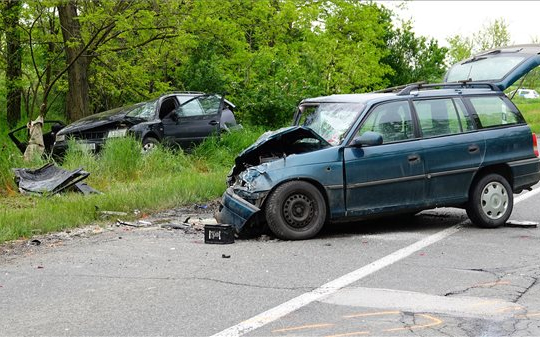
535,145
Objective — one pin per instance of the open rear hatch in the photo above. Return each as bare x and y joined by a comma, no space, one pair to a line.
501,66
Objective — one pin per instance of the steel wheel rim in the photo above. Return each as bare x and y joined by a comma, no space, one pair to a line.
494,200
148,147
298,210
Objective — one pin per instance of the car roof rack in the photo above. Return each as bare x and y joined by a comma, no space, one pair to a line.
399,87
447,85
183,92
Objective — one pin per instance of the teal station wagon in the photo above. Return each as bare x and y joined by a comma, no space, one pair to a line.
461,143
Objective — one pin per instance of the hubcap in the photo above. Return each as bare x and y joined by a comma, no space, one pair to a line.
298,210
494,200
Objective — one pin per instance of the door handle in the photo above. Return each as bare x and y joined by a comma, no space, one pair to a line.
413,158
213,122
473,148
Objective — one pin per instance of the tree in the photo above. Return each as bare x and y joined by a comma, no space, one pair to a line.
412,58
13,56
493,34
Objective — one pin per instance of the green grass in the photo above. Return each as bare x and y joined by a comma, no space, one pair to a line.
530,108
128,179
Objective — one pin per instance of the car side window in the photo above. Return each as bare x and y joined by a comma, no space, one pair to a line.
190,109
438,117
392,120
493,111
210,104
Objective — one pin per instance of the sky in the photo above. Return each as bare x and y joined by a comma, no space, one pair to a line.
442,19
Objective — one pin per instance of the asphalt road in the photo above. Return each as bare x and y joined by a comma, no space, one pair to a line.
433,275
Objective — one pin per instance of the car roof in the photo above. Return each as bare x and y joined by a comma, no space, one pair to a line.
374,97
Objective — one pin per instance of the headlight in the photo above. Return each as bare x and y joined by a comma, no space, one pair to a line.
60,138
117,133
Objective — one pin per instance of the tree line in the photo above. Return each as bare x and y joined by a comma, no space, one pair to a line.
69,59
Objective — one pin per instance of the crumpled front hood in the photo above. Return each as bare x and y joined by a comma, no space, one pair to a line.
96,120
278,143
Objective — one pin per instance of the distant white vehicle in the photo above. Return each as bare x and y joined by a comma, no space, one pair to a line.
527,93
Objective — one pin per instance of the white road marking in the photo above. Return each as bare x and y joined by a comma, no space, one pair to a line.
333,286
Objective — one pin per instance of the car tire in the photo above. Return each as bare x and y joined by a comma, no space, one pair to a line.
149,144
490,201
295,210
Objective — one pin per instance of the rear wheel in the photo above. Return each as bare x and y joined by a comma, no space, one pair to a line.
296,210
491,201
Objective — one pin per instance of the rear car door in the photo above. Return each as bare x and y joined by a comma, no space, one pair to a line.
452,150
389,176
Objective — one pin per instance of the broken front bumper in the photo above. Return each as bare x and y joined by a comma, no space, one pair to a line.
235,211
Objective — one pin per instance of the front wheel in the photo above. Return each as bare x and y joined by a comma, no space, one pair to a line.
296,210
490,202
149,144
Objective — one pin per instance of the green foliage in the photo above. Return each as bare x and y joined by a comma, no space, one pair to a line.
414,59
493,34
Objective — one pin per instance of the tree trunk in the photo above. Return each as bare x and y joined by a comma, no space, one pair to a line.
77,100
12,10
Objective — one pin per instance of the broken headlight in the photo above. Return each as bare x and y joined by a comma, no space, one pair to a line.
60,138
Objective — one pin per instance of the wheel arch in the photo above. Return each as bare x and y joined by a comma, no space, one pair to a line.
500,169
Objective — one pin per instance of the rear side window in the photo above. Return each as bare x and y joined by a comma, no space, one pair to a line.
440,117
494,111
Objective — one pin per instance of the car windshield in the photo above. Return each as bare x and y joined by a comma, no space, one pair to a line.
144,110
484,69
330,120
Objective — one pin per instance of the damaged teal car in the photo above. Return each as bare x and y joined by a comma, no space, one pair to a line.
461,143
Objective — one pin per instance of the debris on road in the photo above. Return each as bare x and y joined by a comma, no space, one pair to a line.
225,256
172,225
35,242
522,224
219,234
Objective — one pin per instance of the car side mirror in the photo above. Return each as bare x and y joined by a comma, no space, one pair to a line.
368,138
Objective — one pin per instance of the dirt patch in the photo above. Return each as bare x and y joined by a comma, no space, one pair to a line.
185,219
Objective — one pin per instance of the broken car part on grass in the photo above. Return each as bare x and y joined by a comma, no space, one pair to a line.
50,180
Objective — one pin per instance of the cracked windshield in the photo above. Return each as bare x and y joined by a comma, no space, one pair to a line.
331,120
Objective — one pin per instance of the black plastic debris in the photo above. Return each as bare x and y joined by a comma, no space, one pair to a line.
220,234
50,180
522,224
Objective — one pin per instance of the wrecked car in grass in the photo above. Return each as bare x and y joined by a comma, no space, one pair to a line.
348,157
174,119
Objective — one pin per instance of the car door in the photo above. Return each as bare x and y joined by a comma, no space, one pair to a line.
196,119
389,176
452,151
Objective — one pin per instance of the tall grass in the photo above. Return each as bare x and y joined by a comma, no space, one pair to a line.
128,179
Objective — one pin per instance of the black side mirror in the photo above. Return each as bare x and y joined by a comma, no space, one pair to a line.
368,138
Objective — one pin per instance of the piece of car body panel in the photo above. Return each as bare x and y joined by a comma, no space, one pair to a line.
48,136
